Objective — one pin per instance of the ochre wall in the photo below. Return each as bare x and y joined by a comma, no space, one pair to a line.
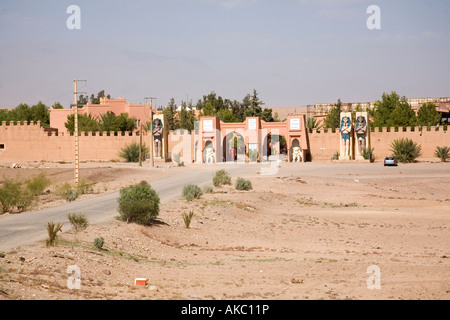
34,143
324,145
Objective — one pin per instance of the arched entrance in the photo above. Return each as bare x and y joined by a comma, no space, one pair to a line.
274,144
295,154
233,146
209,153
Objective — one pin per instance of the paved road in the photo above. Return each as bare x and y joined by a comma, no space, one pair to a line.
29,227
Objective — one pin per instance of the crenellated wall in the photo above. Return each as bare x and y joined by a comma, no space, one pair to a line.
31,142
324,145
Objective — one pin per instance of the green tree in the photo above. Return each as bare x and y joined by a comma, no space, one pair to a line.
138,203
21,113
208,110
427,115
57,105
86,123
227,116
392,111
123,123
96,99
333,119
40,112
266,115
313,124
108,122
187,116
255,108
403,115
172,121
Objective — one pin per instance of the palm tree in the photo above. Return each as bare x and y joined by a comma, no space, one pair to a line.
313,123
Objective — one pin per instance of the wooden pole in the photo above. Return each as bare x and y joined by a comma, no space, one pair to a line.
140,145
77,160
152,162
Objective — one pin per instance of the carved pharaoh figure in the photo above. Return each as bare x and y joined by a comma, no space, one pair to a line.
346,129
157,136
361,131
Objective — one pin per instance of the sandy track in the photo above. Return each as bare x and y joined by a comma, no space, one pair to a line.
308,232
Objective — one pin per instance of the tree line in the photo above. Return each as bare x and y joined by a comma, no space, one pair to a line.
24,113
391,111
227,110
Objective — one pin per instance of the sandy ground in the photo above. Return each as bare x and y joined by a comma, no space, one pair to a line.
311,231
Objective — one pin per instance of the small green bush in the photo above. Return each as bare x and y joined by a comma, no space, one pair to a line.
221,177
367,153
208,189
84,188
191,192
66,191
14,196
335,156
405,150
79,221
24,200
443,153
242,184
52,230
38,184
99,242
138,203
131,152
187,217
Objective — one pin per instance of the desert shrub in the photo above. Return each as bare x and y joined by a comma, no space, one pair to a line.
66,191
405,150
187,217
99,242
38,184
52,230
191,192
138,203
84,188
367,153
242,184
443,153
14,196
221,177
79,221
131,152
208,189
24,199
8,195
335,156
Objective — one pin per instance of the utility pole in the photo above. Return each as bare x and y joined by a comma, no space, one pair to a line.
140,144
152,161
75,105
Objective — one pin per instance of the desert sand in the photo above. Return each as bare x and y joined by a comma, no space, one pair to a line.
311,231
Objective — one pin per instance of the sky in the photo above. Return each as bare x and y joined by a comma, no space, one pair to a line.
294,53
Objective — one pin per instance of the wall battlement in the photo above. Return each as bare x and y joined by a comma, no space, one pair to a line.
388,129
32,142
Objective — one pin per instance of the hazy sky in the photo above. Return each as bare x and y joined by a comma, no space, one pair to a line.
293,52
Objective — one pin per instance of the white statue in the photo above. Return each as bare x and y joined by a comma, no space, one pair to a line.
296,154
210,156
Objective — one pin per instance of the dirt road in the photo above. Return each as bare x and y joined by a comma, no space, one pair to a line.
310,231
